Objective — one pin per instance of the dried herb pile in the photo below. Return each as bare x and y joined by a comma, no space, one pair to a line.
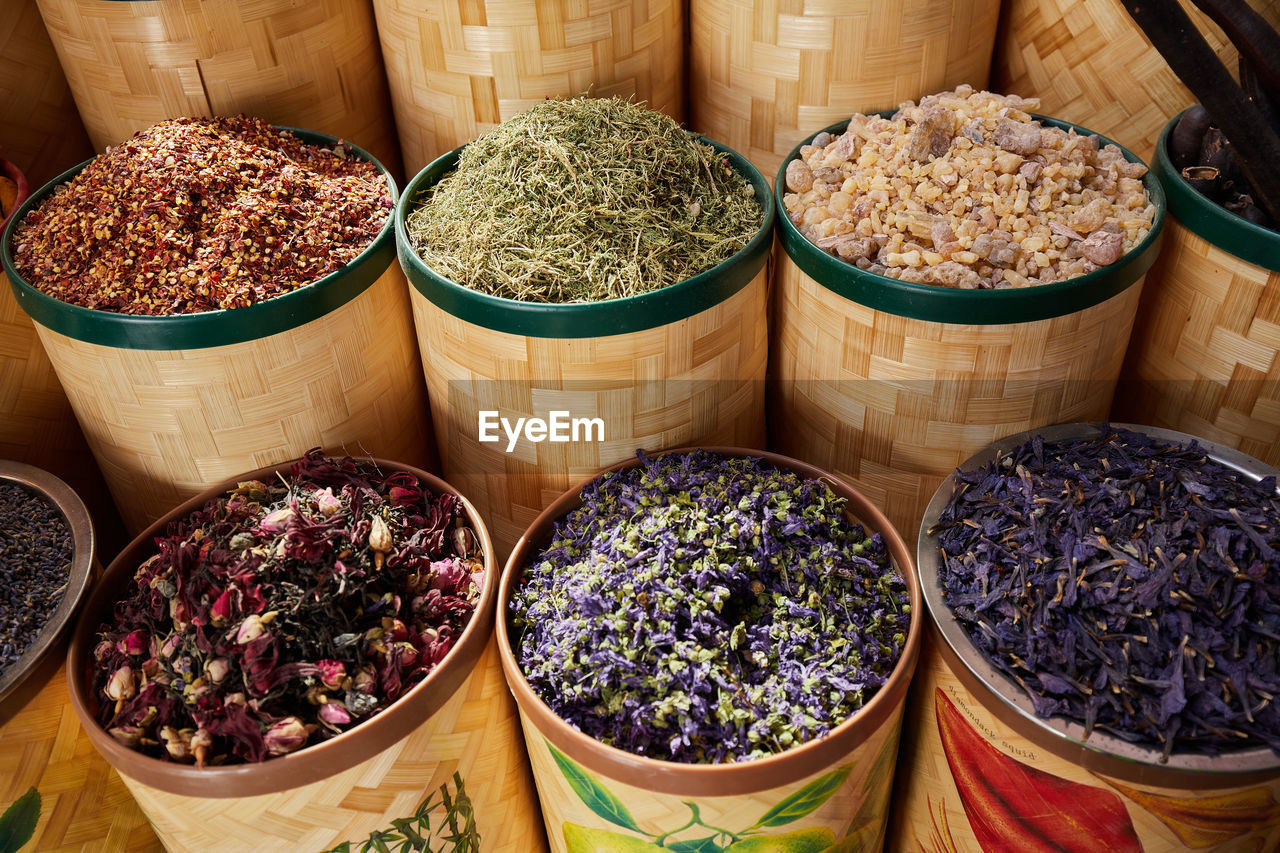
35,564
1127,583
583,200
699,608
196,215
286,612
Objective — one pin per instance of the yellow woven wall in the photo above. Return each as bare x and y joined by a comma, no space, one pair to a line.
895,404
313,65
1087,62
164,425
459,67
1204,354
764,74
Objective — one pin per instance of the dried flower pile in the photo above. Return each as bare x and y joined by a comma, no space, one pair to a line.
699,608
283,613
583,200
35,563
967,190
1127,583
195,215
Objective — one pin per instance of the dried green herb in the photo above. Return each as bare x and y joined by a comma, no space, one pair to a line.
583,200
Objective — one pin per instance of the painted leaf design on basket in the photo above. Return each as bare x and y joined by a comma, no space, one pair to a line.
697,845
1208,821
1013,806
18,823
456,831
595,796
805,800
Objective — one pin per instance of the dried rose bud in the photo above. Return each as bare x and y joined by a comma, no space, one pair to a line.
201,743
177,742
276,520
134,643
394,629
250,629
333,714
121,686
366,679
170,646
237,698
464,541
332,673
379,540
285,736
216,670
325,500
103,650
178,613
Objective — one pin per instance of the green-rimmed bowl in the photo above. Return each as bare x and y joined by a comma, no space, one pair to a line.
971,307
1209,220
208,328
586,319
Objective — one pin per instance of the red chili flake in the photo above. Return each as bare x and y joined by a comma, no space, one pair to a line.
200,214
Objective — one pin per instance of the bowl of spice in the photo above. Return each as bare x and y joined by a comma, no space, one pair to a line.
710,649
1203,327
619,279
289,639
1104,606
217,294
954,271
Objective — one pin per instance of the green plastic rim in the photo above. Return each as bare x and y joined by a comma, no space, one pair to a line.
586,319
971,307
208,328
1210,221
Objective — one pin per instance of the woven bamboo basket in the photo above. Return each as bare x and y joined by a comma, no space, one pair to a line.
41,131
1205,355
968,719
83,803
892,384
316,64
763,72
454,734
674,366
1089,62
578,776
458,68
172,404
37,425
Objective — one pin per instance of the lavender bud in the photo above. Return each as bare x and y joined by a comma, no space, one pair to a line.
285,736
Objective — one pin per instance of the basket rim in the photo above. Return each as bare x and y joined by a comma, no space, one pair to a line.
221,327
61,622
620,316
1005,698
1212,222
726,779
309,764
938,304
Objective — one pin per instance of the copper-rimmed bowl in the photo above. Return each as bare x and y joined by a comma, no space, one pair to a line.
16,681
313,763
727,779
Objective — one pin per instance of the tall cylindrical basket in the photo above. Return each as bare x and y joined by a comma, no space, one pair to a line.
1089,62
980,764
172,404
682,364
892,384
763,72
132,63
458,68
454,735
1205,355
831,793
